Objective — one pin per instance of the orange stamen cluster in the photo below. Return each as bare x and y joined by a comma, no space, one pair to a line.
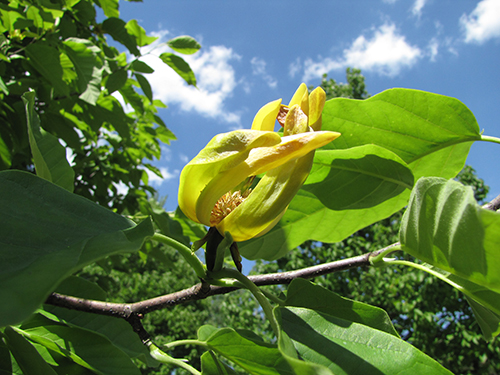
226,204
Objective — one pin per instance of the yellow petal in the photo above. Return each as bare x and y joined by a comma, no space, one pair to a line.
301,98
265,119
268,201
223,153
317,100
259,160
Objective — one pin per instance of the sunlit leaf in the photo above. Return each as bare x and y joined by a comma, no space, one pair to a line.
346,347
358,177
116,27
139,33
145,86
46,233
110,7
445,227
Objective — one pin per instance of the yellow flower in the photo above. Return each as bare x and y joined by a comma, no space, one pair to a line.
214,186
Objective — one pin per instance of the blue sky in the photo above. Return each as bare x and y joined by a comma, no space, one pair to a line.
257,51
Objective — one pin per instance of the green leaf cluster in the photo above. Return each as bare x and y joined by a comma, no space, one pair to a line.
67,58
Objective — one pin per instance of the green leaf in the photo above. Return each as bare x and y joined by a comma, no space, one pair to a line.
145,86
141,67
358,177
89,350
26,356
445,227
303,293
346,347
184,44
210,365
47,233
256,357
307,218
45,59
116,27
487,319
48,154
413,124
88,65
180,66
117,331
110,7
139,33
116,80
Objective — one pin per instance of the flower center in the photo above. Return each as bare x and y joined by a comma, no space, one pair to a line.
226,204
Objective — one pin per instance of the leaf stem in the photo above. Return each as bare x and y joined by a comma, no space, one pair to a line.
185,342
163,357
258,294
185,251
488,138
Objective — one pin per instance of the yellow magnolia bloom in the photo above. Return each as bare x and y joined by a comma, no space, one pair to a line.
214,186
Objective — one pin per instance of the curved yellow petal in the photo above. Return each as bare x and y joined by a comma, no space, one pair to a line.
317,100
268,201
301,98
259,160
223,153
265,119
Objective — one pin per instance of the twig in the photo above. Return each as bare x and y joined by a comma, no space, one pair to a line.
494,205
203,290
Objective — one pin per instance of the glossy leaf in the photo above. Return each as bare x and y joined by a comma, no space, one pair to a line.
303,293
413,124
49,155
180,66
346,347
445,227
110,7
256,357
85,348
139,33
25,355
210,365
307,218
432,133
184,44
358,177
46,233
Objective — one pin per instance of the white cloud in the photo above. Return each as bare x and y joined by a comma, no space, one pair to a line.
215,81
259,69
156,181
389,1
433,48
417,7
386,53
483,23
295,67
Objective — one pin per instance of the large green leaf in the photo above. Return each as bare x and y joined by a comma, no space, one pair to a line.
46,233
358,177
303,293
254,356
89,350
411,123
25,355
488,320
211,365
48,154
117,331
110,7
307,218
180,66
116,27
445,227
346,347
139,33
432,133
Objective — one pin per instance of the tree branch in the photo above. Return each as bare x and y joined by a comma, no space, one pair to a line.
494,205
203,290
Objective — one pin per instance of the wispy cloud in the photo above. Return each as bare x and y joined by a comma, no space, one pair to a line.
259,69
482,23
156,181
385,53
417,7
216,81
